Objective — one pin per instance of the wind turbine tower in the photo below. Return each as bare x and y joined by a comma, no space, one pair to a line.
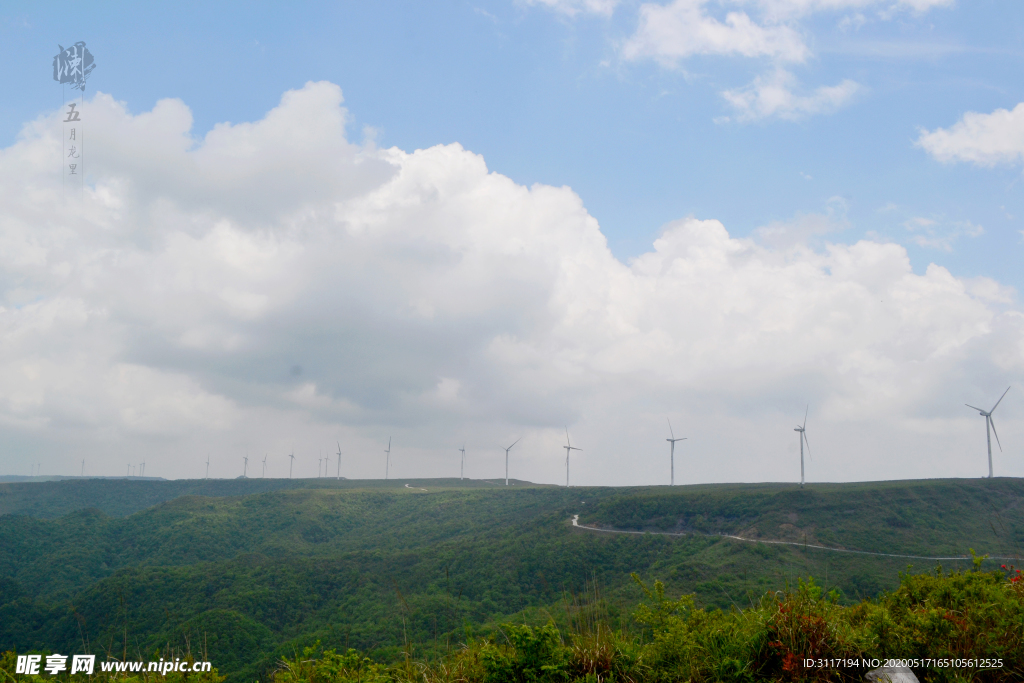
506,458
990,428
291,463
802,429
568,449
265,466
462,468
672,453
327,461
207,465
83,468
245,468
387,460
339,461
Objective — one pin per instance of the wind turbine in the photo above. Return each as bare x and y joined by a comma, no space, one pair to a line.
245,468
83,468
291,463
568,449
319,461
672,452
207,465
129,470
803,440
327,461
142,472
506,458
265,466
339,461
990,428
387,460
462,468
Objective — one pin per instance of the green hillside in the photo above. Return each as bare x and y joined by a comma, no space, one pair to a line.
258,568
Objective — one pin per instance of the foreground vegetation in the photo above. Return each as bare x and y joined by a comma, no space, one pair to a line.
953,626
260,570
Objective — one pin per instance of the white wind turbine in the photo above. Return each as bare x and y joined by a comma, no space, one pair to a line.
291,463
462,468
506,458
387,460
319,462
265,465
990,428
568,449
245,468
142,472
803,440
327,461
207,465
672,453
83,468
339,461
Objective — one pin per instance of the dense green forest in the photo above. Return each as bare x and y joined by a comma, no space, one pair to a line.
256,570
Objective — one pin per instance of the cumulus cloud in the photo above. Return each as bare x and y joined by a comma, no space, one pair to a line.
982,139
272,286
775,96
774,33
669,33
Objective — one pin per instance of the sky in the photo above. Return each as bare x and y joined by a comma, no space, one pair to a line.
321,227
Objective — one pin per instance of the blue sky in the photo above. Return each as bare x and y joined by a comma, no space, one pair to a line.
760,170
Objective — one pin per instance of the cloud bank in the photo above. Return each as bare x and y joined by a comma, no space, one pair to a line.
275,287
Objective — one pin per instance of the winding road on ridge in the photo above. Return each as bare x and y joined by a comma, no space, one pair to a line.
576,524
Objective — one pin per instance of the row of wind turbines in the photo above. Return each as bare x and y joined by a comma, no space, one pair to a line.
801,429
990,429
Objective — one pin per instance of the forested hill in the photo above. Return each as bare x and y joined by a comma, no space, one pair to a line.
257,568
119,497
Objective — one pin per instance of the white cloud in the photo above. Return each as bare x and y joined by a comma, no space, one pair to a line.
197,301
774,96
574,7
669,33
983,139
933,234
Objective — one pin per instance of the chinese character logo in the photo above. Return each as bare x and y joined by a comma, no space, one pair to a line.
73,65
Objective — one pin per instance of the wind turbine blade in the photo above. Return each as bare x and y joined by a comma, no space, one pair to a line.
806,410
514,443
807,443
980,410
670,428
567,436
999,401
993,423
